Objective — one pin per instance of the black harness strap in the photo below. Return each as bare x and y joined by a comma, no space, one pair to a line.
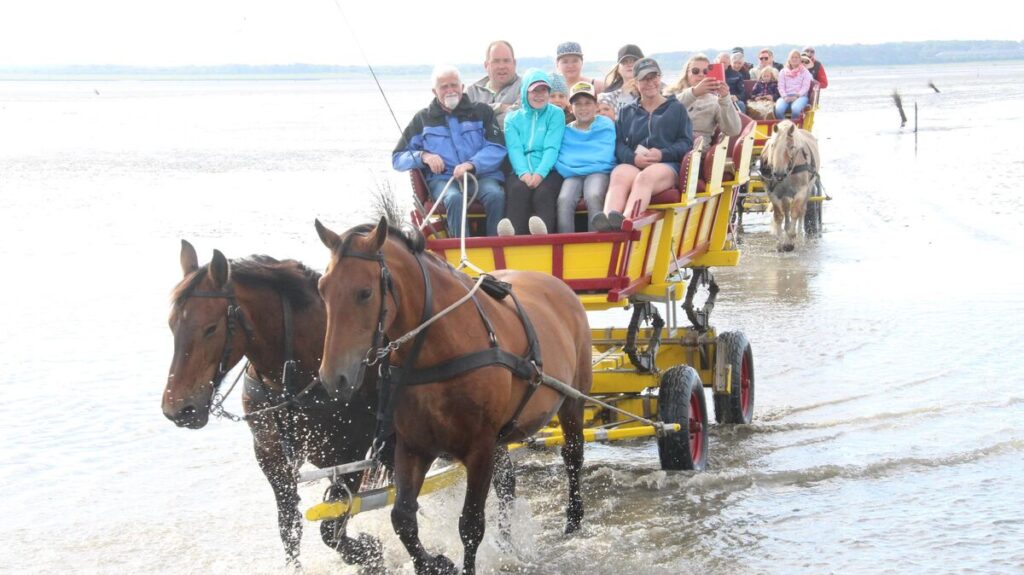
233,315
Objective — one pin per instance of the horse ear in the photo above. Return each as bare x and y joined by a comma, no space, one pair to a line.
219,269
380,235
792,128
189,260
329,238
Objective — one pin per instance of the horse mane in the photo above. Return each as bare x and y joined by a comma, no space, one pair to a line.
410,237
776,150
288,277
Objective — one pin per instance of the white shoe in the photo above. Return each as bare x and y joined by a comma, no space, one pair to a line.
537,226
505,227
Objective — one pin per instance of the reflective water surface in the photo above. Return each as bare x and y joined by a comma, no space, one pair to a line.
887,434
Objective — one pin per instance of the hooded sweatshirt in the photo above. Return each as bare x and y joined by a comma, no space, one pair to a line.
587,152
667,129
533,137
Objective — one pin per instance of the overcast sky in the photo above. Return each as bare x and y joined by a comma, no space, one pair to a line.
182,32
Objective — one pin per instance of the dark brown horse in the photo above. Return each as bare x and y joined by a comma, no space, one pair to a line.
378,283
223,311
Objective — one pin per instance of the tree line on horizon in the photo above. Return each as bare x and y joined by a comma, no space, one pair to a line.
891,53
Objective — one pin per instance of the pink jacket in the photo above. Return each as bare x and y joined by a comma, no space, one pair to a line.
799,85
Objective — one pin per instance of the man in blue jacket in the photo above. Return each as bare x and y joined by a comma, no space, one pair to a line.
450,137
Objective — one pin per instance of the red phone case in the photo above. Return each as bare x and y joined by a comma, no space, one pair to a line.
717,72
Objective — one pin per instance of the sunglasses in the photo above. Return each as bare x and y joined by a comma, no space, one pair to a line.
763,58
700,71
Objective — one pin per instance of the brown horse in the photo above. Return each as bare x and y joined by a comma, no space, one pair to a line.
226,310
380,283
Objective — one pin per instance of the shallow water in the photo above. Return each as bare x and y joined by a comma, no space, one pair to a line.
886,436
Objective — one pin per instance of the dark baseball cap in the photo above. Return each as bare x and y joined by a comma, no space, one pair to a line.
645,67
630,51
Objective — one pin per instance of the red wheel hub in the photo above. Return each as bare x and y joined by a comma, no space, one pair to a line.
696,428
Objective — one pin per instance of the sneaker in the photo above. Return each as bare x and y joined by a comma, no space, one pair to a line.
599,223
505,227
615,220
537,226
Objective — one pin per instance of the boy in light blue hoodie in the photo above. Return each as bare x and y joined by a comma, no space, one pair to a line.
533,137
586,158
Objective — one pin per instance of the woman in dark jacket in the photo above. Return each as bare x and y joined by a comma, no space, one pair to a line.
652,136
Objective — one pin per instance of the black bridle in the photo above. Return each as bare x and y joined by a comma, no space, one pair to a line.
232,315
378,350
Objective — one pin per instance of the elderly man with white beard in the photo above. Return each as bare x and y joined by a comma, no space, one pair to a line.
450,137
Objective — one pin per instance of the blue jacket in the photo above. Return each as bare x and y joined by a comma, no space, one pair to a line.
533,136
466,134
667,129
587,152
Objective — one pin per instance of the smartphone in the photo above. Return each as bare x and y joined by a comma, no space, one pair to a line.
717,72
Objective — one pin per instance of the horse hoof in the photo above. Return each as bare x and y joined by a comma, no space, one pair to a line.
788,247
293,566
365,551
439,565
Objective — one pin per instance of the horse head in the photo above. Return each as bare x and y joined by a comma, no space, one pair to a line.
355,295
203,321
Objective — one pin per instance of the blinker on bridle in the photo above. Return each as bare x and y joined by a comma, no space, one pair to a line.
233,315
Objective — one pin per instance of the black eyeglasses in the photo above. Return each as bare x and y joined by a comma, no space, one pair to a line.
700,71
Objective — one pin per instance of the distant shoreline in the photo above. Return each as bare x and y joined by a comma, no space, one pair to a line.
890,54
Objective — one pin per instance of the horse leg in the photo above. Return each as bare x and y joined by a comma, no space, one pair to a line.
479,469
571,417
778,214
278,472
410,470
504,481
365,550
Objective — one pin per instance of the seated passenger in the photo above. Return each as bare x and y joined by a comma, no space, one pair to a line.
450,137
745,66
765,58
735,74
606,108
816,68
560,95
620,88
707,101
764,93
533,134
585,160
652,136
569,63
499,89
794,84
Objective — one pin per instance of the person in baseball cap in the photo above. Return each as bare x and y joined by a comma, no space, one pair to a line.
569,62
586,158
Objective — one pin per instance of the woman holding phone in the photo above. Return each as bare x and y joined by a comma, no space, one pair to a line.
652,136
707,100
794,84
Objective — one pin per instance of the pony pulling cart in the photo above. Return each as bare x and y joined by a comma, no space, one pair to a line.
643,380
755,197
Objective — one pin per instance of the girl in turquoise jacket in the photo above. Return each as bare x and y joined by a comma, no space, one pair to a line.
533,136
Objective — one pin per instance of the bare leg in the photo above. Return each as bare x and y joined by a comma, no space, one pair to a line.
619,186
479,468
571,417
504,481
410,470
651,180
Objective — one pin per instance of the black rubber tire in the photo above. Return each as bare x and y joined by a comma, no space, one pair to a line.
680,397
812,217
736,407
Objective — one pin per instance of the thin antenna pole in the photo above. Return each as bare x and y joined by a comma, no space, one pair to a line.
367,60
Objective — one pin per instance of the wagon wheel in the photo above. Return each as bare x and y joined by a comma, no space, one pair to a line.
812,218
736,406
681,400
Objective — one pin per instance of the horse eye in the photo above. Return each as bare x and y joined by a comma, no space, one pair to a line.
210,330
364,294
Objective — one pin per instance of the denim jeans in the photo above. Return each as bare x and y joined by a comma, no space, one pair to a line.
797,108
592,187
491,196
